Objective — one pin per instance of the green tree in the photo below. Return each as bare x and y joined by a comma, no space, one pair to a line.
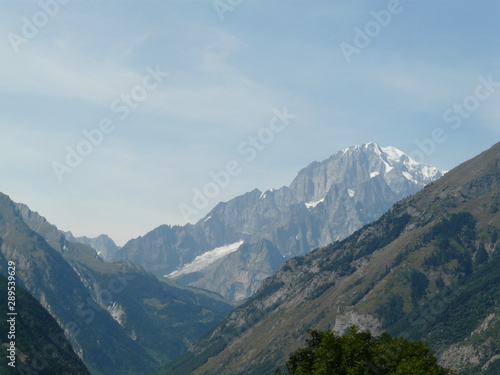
359,353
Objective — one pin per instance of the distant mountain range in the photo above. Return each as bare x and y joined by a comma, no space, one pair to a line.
104,245
426,270
243,241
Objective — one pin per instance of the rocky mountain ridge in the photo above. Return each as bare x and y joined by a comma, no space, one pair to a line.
326,202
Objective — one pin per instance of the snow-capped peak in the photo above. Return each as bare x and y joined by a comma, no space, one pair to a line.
420,173
393,158
358,165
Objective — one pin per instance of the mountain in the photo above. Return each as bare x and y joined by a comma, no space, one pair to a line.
104,245
326,202
426,270
118,318
44,272
40,345
246,266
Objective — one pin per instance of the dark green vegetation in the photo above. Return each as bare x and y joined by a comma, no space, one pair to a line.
120,319
360,353
446,318
426,270
41,347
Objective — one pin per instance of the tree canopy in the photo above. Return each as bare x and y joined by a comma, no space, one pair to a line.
359,353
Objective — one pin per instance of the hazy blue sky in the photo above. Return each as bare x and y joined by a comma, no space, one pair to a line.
178,87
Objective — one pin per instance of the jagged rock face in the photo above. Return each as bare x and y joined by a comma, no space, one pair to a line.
359,164
327,201
165,248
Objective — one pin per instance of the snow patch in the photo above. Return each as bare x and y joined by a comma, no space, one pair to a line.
350,192
374,174
388,167
313,204
393,153
204,260
409,177
428,172
208,218
264,195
